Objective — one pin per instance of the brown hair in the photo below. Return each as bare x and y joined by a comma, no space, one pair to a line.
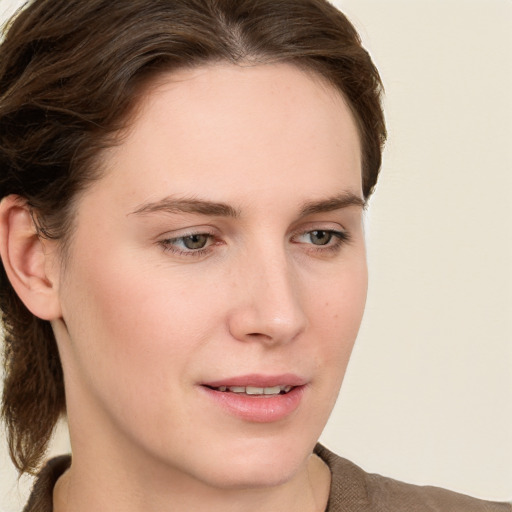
71,70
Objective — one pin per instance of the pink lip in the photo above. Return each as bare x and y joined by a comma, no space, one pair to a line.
258,408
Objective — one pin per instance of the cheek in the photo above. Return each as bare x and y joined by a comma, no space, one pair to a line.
338,314
133,341
340,303
139,318
139,331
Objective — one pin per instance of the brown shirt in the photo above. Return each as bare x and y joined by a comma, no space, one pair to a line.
352,490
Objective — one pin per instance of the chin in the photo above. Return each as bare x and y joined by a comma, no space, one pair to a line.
253,476
255,463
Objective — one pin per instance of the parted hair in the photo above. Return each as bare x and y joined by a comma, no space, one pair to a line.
70,75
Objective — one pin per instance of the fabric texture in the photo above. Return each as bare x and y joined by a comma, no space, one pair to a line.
352,490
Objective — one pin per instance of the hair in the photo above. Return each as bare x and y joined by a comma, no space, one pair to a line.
71,72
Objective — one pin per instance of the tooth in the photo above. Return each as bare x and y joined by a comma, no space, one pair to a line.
253,390
250,390
237,389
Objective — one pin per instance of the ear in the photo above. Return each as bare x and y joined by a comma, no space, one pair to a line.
30,262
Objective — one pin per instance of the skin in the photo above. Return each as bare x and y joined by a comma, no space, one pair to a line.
142,321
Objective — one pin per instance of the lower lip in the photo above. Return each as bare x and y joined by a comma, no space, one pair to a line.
258,408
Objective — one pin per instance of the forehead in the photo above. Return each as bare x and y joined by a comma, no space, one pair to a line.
260,123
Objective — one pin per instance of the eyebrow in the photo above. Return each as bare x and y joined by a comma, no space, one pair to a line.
210,208
198,206
330,204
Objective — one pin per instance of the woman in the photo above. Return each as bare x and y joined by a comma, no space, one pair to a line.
184,267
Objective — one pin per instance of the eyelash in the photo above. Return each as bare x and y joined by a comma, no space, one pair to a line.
337,240
169,245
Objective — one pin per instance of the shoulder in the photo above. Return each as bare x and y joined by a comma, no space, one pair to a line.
354,490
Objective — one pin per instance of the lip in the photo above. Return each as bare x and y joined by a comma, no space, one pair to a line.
257,408
259,381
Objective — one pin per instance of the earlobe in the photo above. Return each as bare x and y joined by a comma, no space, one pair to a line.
28,260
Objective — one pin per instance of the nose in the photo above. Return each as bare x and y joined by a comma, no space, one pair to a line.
267,305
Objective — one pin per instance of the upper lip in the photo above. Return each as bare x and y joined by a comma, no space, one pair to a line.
259,380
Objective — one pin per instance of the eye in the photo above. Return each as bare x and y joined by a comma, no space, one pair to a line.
320,237
194,241
194,244
322,241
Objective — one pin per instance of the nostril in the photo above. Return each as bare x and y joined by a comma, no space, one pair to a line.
258,336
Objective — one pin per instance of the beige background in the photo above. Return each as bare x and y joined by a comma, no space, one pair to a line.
428,395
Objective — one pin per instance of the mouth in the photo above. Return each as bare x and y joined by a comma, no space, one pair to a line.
254,390
257,398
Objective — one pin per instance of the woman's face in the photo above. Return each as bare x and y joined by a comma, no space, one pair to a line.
216,279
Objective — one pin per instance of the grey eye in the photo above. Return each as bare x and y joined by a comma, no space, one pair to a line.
320,237
195,241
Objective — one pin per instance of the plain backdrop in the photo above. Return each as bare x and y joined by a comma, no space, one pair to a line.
428,394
